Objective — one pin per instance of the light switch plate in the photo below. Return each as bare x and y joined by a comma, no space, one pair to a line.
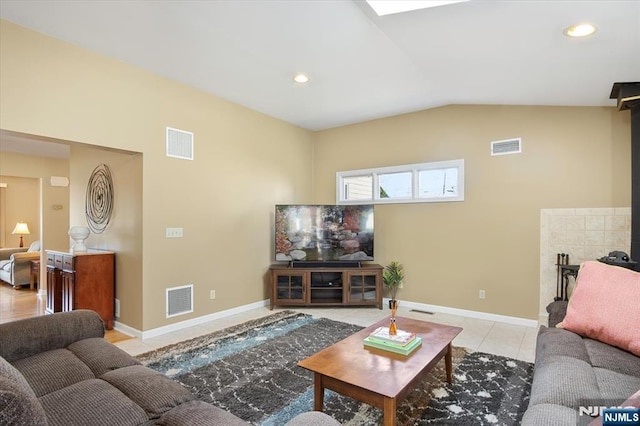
174,232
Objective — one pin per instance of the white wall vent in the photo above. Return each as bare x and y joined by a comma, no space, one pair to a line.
179,300
59,181
507,146
179,144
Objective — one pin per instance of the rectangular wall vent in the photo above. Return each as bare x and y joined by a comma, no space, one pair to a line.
507,146
179,300
179,144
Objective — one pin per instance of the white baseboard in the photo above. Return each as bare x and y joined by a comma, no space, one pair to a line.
125,329
466,313
154,332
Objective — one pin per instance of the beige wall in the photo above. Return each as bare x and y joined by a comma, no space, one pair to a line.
245,162
22,205
55,222
123,235
572,157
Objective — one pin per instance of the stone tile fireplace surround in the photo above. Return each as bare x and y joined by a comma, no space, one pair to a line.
583,234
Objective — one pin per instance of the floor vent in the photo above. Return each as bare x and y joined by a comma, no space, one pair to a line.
422,312
179,144
508,146
179,300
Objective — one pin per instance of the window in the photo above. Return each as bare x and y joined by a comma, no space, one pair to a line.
438,182
395,185
413,183
358,187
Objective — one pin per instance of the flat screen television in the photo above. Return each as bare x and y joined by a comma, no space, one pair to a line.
324,233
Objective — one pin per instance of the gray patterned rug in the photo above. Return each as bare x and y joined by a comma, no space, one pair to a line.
250,370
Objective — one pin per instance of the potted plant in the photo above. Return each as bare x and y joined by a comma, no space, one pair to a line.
392,277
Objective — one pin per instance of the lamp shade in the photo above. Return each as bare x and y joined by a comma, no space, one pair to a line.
21,229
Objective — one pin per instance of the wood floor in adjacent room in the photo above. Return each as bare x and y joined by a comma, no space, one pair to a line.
20,303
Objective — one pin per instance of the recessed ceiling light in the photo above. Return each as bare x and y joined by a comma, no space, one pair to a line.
389,7
580,30
301,78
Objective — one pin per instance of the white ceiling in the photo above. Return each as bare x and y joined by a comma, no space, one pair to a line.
361,66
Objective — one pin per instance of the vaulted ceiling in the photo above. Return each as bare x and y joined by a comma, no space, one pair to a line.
361,66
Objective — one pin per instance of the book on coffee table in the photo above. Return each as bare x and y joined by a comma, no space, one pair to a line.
401,338
393,347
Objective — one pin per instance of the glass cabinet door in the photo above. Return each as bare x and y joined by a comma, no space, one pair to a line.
362,287
290,287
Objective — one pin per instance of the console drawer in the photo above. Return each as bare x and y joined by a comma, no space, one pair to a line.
57,261
67,263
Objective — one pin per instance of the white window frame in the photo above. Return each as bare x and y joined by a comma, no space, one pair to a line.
415,169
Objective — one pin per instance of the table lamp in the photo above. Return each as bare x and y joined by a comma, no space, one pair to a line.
21,229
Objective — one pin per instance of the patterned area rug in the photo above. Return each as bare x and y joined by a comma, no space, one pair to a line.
250,370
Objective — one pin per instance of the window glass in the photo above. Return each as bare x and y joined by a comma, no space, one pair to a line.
395,185
358,187
438,183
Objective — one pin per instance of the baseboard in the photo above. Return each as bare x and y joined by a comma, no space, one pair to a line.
125,329
154,332
466,313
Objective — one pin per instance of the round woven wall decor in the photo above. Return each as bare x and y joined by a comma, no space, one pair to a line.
99,200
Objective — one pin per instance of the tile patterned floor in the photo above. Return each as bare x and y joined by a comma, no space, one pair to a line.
479,335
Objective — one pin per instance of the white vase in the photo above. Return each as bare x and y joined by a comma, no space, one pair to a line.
79,234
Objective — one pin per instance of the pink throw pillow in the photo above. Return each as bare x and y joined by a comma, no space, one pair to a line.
605,306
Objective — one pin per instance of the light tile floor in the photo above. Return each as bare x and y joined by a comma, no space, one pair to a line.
478,335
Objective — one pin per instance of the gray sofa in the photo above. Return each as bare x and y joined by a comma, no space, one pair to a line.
573,371
58,370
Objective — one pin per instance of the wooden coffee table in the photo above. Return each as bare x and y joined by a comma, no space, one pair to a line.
377,377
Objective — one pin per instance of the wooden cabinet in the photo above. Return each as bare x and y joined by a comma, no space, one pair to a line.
82,281
332,286
363,286
67,281
289,288
54,287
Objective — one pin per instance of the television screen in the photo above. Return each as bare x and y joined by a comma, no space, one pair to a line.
324,233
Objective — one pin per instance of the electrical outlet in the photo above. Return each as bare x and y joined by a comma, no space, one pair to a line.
117,308
481,294
173,232
212,294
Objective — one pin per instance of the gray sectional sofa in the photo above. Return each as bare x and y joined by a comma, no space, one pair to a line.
573,371
58,370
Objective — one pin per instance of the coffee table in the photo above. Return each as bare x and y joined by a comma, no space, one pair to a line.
378,377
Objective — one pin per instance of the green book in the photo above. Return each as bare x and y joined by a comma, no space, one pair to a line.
391,347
